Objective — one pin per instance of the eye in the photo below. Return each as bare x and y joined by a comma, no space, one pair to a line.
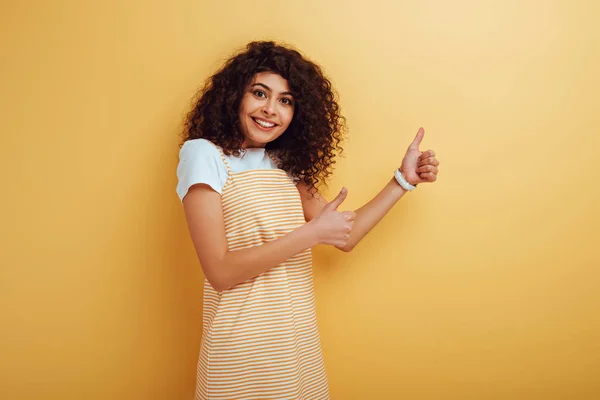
287,101
259,93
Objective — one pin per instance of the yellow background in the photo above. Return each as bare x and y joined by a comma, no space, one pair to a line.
481,286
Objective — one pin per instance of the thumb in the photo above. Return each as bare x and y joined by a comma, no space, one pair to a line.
339,199
415,144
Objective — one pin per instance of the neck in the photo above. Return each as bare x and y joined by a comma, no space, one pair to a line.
250,145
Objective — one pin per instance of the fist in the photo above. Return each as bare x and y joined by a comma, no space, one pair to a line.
332,226
419,167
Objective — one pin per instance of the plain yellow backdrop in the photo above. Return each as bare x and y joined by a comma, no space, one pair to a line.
483,285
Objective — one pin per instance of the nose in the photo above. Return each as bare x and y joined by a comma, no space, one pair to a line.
269,107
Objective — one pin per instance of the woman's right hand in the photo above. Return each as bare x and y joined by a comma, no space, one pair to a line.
333,227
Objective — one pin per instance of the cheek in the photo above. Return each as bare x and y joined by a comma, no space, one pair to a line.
287,116
247,104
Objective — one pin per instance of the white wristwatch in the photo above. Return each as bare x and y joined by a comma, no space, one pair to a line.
402,181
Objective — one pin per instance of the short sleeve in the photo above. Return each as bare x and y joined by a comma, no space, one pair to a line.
200,162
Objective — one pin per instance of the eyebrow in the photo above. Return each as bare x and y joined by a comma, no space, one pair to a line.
269,89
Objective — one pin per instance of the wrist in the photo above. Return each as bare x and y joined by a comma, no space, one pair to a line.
402,181
311,233
403,172
396,188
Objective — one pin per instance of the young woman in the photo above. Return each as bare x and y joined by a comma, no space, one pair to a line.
263,133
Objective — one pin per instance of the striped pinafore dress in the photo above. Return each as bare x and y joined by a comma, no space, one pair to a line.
260,338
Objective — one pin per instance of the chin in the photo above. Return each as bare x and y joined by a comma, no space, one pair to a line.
262,138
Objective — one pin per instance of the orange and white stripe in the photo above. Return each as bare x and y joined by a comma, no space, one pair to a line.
260,338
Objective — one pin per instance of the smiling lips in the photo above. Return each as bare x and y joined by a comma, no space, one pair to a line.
264,124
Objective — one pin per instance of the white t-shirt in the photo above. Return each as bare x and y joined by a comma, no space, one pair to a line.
201,162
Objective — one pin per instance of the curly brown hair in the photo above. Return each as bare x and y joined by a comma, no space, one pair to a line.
307,148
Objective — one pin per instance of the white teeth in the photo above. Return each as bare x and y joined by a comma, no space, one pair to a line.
264,124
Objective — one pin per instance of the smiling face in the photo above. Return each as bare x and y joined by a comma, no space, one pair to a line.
266,110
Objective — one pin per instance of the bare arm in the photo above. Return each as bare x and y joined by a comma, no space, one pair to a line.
417,167
371,213
223,268
366,217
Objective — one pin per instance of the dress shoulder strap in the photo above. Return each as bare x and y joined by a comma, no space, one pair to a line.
273,157
224,161
223,158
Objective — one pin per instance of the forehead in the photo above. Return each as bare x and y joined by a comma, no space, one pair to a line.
274,81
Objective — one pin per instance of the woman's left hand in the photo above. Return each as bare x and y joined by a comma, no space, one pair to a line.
419,167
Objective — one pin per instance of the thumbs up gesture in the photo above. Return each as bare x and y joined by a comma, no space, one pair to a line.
419,167
332,226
